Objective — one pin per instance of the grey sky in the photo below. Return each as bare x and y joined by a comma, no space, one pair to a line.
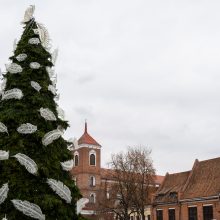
141,72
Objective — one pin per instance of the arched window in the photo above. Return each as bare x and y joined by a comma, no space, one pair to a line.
92,158
92,198
92,181
76,158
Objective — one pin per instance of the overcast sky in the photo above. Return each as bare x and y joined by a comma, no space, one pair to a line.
141,72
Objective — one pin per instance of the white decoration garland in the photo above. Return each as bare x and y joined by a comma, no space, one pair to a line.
51,136
36,85
34,41
50,71
21,57
54,56
26,161
3,192
12,94
3,128
34,65
14,68
28,15
29,209
27,128
67,165
4,155
52,89
47,114
60,189
14,44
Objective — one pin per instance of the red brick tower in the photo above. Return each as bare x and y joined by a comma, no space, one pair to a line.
87,167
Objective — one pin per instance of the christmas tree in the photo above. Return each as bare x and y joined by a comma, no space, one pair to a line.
34,159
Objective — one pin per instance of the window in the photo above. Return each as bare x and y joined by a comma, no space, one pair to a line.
92,159
92,198
131,217
192,213
171,214
76,160
159,214
92,181
207,212
148,217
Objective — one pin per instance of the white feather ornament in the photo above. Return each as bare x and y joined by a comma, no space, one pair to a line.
54,56
28,15
14,68
47,114
3,84
12,94
14,44
21,57
3,192
36,85
51,136
26,161
80,204
34,65
52,89
67,165
60,189
29,209
44,36
4,155
34,41
3,128
50,71
27,128
61,113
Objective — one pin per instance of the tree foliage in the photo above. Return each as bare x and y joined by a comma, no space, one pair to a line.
14,112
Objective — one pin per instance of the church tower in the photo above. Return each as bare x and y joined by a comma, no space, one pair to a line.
87,166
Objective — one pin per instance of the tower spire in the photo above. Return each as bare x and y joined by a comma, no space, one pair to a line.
85,127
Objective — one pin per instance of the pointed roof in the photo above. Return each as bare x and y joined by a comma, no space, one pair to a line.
87,139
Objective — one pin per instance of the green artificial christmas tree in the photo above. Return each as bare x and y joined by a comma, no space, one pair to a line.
34,159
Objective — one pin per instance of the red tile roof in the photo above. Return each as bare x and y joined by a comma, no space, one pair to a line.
171,186
87,139
204,180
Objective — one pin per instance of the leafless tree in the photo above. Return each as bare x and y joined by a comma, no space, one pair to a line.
132,176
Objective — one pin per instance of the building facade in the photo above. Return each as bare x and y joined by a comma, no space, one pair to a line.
90,177
190,195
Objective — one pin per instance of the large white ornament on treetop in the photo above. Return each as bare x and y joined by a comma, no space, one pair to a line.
62,190
4,155
12,94
28,15
29,209
21,57
36,85
67,165
13,68
47,114
26,161
34,65
3,128
34,41
51,136
3,192
27,128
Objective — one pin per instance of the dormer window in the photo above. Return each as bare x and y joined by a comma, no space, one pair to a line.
92,158
76,158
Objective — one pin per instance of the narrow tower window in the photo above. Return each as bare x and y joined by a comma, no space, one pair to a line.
76,158
92,159
92,198
92,181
